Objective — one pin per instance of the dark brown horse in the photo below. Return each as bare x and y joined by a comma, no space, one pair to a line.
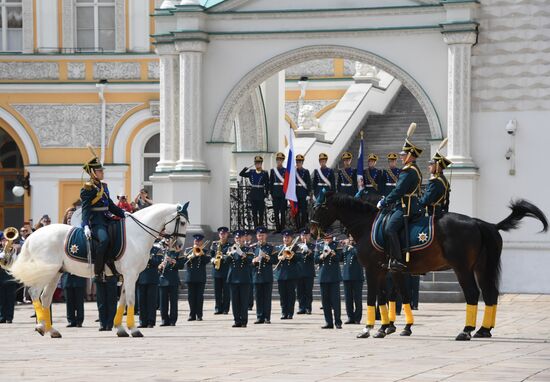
469,246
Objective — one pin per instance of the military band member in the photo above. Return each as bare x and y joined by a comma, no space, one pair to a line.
435,200
347,177
259,183
148,287
262,276
405,199
323,177
169,282
8,288
276,181
74,288
390,175
220,267
307,272
195,277
239,278
97,213
287,274
303,191
328,257
106,298
353,277
249,233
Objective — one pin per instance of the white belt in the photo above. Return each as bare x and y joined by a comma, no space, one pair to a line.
370,185
100,209
346,185
323,184
299,185
277,184
257,186
390,184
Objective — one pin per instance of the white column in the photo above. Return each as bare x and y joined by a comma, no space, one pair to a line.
169,109
28,26
274,96
190,106
459,96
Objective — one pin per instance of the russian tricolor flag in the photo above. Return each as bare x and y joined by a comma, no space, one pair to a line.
360,159
289,186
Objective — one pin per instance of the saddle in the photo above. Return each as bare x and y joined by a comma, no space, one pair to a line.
76,244
421,232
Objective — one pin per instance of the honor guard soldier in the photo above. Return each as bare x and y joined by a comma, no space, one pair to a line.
287,274
239,279
259,183
405,201
390,175
435,200
262,276
328,257
74,289
307,272
347,177
97,214
169,282
148,287
303,190
195,277
220,267
323,177
353,277
276,181
106,292
372,179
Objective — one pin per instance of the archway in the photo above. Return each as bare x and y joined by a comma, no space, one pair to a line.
11,172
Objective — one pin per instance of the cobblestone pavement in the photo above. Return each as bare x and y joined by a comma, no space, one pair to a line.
292,350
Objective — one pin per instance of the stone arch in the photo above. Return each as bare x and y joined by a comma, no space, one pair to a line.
222,127
122,137
21,136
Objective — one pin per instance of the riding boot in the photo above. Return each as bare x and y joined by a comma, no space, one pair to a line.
99,266
396,262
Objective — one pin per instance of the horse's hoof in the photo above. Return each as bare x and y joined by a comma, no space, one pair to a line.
54,333
463,336
40,329
380,334
406,333
136,333
121,332
483,333
391,329
364,334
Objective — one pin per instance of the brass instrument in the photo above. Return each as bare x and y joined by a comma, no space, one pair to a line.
287,252
196,251
11,234
219,256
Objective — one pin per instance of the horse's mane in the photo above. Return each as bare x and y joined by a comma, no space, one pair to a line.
345,201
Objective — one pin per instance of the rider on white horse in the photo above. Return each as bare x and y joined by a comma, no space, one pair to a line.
98,211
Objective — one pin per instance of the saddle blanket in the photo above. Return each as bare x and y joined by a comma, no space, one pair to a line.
76,244
421,233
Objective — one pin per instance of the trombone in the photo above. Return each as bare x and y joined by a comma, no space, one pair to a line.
196,251
287,252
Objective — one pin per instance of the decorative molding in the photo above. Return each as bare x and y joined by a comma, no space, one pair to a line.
71,125
251,125
291,107
117,70
76,70
120,26
29,70
313,68
153,70
223,125
69,24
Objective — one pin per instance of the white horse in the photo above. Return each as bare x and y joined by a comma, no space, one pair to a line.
43,260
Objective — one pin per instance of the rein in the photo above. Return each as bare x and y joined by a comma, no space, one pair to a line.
150,230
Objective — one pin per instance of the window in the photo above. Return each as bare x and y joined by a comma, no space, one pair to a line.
11,24
95,25
151,156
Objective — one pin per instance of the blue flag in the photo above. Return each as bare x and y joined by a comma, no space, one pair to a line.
360,164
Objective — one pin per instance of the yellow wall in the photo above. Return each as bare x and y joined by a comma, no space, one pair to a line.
69,192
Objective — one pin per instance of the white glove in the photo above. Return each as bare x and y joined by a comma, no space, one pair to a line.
308,198
126,214
87,232
379,205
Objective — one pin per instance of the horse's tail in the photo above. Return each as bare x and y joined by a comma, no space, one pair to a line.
489,267
520,209
31,270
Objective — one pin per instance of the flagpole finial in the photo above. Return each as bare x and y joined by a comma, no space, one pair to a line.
361,133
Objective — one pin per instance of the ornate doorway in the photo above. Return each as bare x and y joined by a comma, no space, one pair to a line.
11,171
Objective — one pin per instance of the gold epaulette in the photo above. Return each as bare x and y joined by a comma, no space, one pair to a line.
88,186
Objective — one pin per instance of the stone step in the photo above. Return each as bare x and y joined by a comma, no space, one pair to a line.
440,276
440,286
445,297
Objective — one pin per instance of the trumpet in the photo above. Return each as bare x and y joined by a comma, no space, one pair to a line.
327,251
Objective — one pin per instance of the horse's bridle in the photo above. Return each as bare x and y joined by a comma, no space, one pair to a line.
154,233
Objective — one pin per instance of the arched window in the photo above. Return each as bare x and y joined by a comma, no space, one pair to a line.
151,156
11,171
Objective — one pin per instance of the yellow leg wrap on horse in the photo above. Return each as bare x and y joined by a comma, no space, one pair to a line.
118,316
392,313
39,310
371,315
130,320
494,320
384,314
488,317
471,315
47,318
409,318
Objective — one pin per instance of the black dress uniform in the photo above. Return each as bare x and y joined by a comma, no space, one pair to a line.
169,282
148,288
329,279
262,277
347,181
259,183
287,273
74,289
303,190
307,276
220,268
239,278
195,278
352,274
276,180
8,288
323,179
107,296
389,180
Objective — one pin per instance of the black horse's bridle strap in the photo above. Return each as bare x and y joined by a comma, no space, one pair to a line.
151,231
